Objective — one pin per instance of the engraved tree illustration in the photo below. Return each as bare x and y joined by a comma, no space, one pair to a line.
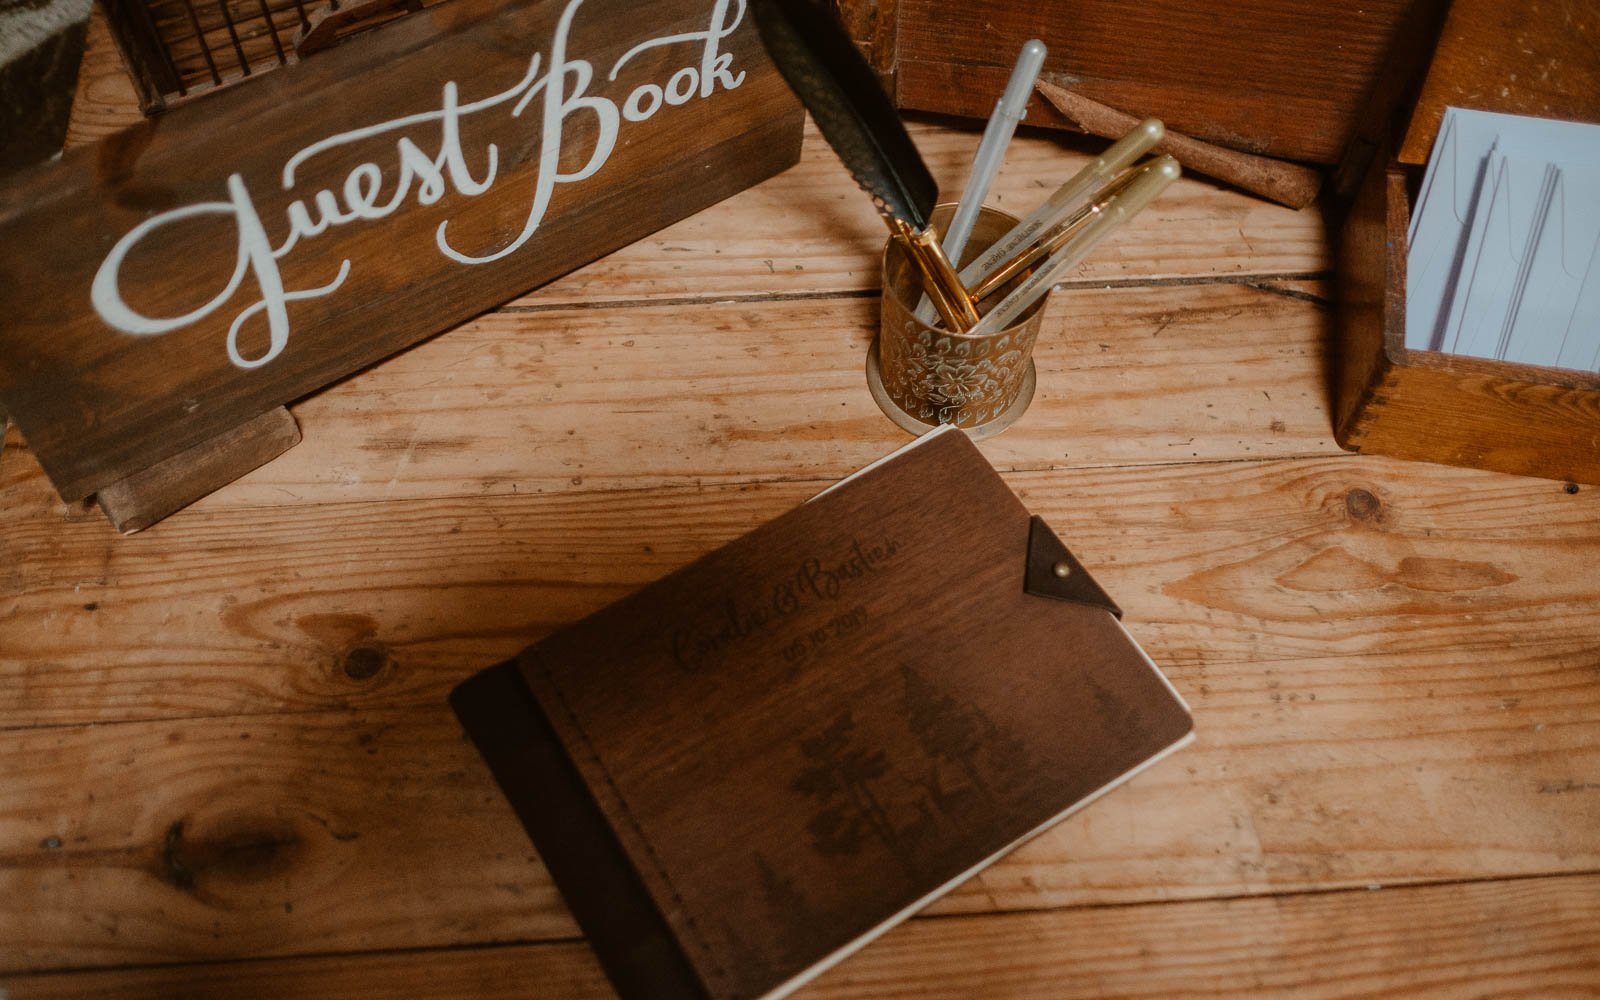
957,735
840,778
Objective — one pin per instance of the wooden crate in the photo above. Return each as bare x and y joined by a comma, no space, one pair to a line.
1438,407
1428,405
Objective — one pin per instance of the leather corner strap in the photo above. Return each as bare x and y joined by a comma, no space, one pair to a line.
1055,572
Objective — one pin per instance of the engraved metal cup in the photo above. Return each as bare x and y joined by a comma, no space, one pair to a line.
923,376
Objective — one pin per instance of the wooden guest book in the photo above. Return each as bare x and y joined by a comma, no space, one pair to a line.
167,290
753,766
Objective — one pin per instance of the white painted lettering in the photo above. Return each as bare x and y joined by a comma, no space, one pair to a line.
631,109
690,78
563,84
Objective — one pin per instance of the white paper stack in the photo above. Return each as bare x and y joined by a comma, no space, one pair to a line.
1504,257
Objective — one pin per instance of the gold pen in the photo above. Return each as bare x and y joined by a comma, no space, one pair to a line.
939,278
1148,182
1117,158
1053,240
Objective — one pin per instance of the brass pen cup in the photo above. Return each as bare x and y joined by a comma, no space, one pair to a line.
923,376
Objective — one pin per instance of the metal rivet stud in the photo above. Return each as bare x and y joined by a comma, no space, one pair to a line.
1062,569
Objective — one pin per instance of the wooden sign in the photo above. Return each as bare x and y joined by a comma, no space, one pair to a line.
197,271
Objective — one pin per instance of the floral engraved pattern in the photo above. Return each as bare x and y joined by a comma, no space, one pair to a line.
946,379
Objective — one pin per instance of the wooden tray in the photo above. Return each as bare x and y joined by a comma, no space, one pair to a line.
1438,407
1429,405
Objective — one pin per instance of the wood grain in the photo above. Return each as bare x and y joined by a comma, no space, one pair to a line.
1531,937
1527,937
662,394
1424,667
1283,78
261,836
106,101
1393,665
1285,183
149,495
218,838
252,611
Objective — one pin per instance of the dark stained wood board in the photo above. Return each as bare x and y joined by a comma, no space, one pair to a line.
98,404
1284,78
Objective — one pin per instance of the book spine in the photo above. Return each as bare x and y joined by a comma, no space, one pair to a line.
630,936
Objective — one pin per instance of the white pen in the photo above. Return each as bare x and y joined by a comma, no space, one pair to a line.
1115,210
1008,111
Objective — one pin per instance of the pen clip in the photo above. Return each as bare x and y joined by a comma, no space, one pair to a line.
939,277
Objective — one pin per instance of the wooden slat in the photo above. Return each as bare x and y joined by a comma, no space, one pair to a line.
1523,938
172,840
612,399
625,398
811,230
247,611
227,837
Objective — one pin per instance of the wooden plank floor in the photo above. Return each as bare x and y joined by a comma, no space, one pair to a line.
227,768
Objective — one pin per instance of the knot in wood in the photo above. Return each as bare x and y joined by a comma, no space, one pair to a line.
1362,505
363,662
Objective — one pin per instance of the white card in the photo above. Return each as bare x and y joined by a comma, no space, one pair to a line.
1547,323
1456,187
1510,211
1440,223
